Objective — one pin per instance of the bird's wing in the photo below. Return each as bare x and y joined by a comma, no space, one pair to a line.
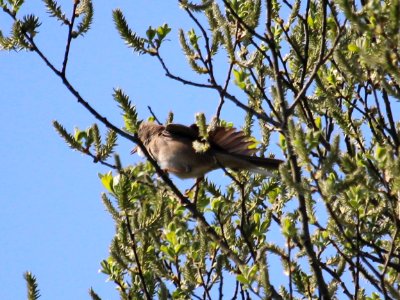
225,139
191,132
232,141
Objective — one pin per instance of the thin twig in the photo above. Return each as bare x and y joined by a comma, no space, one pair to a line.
180,79
208,63
290,268
228,78
138,264
206,293
69,38
154,116
220,89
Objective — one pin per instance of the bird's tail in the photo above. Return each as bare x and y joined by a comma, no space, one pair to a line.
236,151
232,141
254,164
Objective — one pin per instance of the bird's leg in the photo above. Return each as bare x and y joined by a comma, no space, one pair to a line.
196,191
196,186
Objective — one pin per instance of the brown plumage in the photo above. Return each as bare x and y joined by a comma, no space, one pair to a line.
172,147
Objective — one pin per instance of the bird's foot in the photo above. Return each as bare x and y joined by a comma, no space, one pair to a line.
195,188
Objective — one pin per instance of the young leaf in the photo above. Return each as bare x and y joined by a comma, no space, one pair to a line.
107,181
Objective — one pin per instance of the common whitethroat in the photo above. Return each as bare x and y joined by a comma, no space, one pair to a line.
172,147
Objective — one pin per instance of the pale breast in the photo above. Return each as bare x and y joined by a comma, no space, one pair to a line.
177,156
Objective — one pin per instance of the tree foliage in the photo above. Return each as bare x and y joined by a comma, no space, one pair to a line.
325,77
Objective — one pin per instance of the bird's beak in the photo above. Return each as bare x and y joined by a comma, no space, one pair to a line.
134,150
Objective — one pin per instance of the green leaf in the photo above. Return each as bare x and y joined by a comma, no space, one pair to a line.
318,122
257,218
240,78
107,181
168,251
216,203
193,38
282,142
310,21
150,33
288,228
380,153
242,279
353,48
374,296
265,224
80,135
171,237
162,31
252,272
178,248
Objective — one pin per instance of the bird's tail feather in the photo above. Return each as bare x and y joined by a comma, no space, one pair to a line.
232,141
254,164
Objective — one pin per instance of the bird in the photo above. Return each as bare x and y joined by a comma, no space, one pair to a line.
171,146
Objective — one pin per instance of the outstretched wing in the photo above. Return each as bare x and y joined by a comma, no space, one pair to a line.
232,141
225,139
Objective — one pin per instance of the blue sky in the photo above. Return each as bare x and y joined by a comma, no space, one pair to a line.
52,221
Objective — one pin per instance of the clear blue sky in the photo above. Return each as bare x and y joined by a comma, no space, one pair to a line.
52,221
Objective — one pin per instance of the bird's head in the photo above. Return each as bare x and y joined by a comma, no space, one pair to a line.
146,131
